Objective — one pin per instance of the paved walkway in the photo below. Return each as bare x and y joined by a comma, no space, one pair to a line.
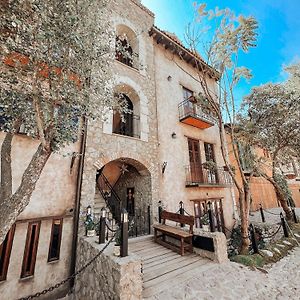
232,281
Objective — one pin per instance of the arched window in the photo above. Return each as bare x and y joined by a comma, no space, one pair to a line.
127,46
124,52
123,124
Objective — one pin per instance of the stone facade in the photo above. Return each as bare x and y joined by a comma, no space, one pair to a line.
109,277
104,146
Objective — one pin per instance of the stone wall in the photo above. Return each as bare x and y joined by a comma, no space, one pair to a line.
220,246
108,277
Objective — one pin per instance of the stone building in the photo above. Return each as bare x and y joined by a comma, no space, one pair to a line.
159,153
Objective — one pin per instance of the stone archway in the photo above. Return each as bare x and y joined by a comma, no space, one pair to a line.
126,183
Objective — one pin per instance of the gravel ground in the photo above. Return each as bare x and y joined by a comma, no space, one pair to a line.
233,281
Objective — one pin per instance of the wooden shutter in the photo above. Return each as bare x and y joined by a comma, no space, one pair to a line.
31,247
5,251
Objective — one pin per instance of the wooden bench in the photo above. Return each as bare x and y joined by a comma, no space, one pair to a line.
185,237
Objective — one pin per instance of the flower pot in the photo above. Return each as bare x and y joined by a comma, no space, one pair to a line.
117,250
90,232
205,228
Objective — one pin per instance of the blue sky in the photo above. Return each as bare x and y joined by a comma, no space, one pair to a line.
278,40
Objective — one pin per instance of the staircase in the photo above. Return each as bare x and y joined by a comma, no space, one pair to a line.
106,196
164,269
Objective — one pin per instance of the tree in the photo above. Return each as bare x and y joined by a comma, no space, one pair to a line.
225,36
273,124
54,69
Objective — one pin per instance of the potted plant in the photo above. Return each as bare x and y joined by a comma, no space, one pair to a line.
89,226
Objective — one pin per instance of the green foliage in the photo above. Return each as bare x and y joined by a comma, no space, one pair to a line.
282,182
254,260
59,54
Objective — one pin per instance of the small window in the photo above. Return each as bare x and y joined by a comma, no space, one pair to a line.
55,240
5,250
31,248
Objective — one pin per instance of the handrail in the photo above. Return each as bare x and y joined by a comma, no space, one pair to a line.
114,203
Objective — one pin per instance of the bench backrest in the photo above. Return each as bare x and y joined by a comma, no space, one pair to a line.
182,219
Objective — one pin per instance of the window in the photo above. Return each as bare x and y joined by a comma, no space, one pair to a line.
55,240
124,52
5,250
124,124
31,247
211,170
195,161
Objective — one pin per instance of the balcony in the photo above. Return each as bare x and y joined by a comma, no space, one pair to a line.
200,175
192,114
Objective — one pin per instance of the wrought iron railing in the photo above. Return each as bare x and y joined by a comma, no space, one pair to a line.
112,200
190,109
201,175
140,222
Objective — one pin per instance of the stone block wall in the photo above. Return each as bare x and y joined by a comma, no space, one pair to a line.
109,276
220,246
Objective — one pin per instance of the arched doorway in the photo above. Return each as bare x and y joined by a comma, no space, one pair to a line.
125,183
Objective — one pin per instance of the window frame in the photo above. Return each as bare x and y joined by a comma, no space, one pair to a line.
9,243
24,272
51,259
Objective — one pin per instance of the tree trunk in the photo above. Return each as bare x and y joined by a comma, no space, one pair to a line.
12,206
244,200
6,173
281,197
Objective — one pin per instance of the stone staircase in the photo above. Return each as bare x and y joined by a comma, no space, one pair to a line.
164,269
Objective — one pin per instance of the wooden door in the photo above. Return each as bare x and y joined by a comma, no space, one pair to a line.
195,161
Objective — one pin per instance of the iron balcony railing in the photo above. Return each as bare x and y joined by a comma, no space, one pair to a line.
190,109
200,175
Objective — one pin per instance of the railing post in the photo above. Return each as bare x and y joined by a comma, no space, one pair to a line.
262,214
253,239
181,211
294,215
159,211
124,233
102,226
211,220
285,231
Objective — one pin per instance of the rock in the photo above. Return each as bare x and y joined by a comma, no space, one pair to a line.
297,235
268,253
277,250
287,243
281,246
